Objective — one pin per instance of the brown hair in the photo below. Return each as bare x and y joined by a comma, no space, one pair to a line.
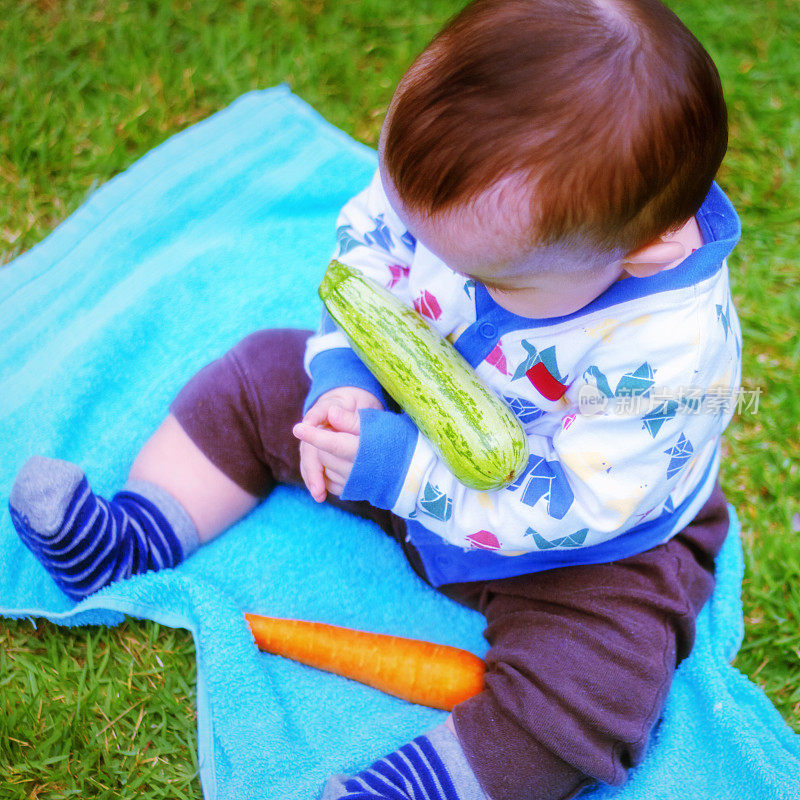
610,110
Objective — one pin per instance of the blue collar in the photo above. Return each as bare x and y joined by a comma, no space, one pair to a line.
721,230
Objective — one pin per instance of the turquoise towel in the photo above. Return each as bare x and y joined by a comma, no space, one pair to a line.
225,228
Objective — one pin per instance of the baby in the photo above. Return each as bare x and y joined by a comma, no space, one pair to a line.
545,198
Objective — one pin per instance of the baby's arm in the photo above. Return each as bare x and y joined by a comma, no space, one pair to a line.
596,477
510,520
584,485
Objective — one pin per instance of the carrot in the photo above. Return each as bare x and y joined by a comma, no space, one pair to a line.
429,674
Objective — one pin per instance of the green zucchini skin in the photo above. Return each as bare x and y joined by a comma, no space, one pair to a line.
471,428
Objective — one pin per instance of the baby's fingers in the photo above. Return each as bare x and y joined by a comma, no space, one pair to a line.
335,485
339,444
317,414
312,472
344,421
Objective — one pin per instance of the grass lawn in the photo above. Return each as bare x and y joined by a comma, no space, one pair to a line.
89,86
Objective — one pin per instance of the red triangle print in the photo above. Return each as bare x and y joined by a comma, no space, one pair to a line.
397,272
484,540
427,305
497,359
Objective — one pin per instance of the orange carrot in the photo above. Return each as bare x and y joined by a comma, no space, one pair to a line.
430,674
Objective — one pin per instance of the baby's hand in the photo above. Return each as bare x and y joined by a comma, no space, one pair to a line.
329,439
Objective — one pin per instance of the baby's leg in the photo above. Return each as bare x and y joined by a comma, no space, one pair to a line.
171,460
226,442
580,663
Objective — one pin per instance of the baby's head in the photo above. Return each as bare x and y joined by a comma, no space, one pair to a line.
538,137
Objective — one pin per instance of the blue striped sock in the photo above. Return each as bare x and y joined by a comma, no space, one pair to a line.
86,542
431,767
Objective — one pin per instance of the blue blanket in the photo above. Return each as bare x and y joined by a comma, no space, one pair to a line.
225,228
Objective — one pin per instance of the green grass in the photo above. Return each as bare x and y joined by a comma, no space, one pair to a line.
98,712
88,87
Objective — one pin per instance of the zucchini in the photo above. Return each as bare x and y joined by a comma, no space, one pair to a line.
470,427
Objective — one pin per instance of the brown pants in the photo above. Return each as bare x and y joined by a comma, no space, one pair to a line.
581,658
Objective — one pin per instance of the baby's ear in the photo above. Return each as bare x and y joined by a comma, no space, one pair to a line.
653,258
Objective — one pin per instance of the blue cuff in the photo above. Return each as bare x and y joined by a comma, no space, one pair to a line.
340,366
386,446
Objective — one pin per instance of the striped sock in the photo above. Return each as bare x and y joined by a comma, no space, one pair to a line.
86,542
431,767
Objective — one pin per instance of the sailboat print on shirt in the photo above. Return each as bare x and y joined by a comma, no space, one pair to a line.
380,235
630,384
545,479
541,369
435,503
576,539
680,453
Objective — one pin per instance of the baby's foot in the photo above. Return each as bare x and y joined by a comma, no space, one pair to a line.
86,542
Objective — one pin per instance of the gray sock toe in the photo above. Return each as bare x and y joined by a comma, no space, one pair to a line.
43,490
